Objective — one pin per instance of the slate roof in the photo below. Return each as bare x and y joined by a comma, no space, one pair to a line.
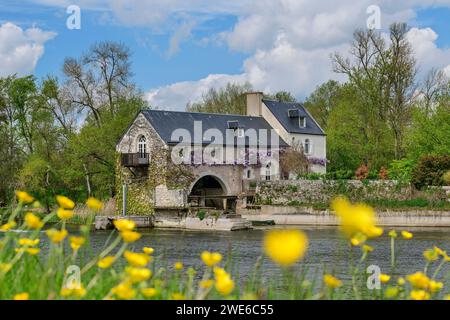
281,109
166,122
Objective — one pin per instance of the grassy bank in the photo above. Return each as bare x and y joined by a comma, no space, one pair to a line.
68,268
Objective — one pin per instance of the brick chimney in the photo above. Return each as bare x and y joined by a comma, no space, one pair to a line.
254,104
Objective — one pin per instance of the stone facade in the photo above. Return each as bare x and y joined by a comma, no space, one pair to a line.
292,192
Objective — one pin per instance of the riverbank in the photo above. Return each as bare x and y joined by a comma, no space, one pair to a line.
287,215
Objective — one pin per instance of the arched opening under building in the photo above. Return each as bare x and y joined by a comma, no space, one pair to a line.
210,192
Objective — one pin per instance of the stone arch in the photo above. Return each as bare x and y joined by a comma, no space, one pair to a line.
205,187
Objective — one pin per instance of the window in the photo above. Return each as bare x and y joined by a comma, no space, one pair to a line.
249,174
268,172
181,153
302,121
307,146
142,147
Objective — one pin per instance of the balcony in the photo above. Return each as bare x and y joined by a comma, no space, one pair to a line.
135,159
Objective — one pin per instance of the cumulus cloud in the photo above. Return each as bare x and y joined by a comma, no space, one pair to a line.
289,42
178,95
21,49
428,54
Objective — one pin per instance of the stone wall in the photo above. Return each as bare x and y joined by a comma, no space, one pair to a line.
293,192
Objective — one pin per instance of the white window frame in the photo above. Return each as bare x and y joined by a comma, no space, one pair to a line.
302,122
142,147
309,144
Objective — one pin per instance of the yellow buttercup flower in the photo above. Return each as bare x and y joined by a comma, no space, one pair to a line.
30,251
22,296
25,242
393,234
178,296
354,219
206,284
224,284
138,274
130,236
384,278
431,255
418,280
65,202
367,248
64,214
435,286
77,242
124,225
218,272
56,236
391,292
8,226
178,266
36,204
285,247
5,267
106,262
400,281
124,291
331,281
94,204
407,235
358,239
373,232
24,197
211,259
447,297
420,295
76,292
148,250
439,251
148,292
33,222
137,259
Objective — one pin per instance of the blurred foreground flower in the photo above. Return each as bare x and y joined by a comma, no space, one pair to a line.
94,204
211,259
285,247
65,202
24,197
355,219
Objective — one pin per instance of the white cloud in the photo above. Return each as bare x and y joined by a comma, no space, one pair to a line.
428,54
289,42
21,49
177,95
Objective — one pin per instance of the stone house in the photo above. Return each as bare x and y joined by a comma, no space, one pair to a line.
171,160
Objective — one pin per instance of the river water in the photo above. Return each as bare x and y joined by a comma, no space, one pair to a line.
326,249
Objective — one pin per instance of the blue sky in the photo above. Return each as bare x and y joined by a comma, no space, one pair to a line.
181,48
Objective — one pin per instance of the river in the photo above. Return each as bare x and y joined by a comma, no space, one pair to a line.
326,249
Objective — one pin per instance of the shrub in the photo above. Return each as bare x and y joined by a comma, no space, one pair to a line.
362,173
446,178
383,174
401,170
430,171
201,215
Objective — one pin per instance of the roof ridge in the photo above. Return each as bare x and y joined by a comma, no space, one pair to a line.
206,113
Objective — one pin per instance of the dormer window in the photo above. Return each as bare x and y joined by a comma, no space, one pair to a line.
302,122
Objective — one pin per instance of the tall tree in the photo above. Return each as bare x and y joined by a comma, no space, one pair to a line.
322,101
384,74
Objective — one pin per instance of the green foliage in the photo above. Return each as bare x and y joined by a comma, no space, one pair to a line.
401,169
231,99
430,171
201,215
